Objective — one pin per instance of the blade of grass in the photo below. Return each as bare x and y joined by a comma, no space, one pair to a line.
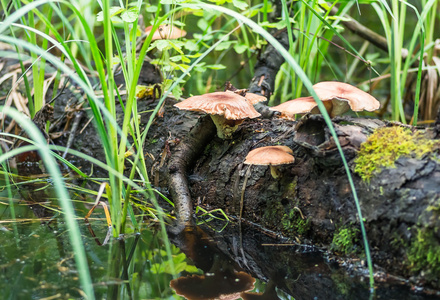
63,196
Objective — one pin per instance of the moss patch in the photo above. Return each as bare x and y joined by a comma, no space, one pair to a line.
424,254
386,145
294,224
345,240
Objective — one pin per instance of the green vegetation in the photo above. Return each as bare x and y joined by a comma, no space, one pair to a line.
424,254
88,43
345,240
294,223
386,145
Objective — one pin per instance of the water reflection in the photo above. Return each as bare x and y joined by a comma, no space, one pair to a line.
221,279
36,261
293,271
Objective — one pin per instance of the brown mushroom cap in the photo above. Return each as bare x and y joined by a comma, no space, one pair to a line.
227,104
254,98
166,32
270,155
301,105
357,99
337,97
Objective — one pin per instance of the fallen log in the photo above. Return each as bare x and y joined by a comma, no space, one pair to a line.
312,201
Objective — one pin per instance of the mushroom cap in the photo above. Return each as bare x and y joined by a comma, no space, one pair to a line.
290,108
254,98
270,155
337,98
357,99
227,104
166,32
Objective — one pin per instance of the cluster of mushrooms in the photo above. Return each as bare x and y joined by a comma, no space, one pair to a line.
230,108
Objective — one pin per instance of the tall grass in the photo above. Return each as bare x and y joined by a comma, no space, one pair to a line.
61,192
113,138
395,25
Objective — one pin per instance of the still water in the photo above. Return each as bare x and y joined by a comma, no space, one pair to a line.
208,262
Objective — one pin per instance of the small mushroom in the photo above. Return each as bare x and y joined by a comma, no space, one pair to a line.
272,156
165,32
227,110
337,97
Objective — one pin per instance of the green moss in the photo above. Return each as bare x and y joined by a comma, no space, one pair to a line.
386,145
424,254
345,240
293,223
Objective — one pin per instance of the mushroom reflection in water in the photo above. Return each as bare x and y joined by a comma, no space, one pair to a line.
221,282
337,97
272,156
227,110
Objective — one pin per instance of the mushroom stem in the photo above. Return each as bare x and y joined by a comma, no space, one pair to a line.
225,128
274,172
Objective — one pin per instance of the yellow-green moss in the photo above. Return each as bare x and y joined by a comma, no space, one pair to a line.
345,240
386,145
424,254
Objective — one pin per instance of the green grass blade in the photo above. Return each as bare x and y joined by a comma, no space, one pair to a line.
63,196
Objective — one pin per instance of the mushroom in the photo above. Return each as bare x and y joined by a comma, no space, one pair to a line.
221,282
227,110
337,97
251,97
273,156
165,32
254,98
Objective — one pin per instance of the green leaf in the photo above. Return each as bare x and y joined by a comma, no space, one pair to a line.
202,24
205,37
160,45
240,4
191,269
225,45
151,8
240,48
190,45
194,55
130,15
176,45
181,67
114,10
278,25
177,92
216,67
201,68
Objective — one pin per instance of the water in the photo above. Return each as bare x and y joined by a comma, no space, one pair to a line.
36,260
